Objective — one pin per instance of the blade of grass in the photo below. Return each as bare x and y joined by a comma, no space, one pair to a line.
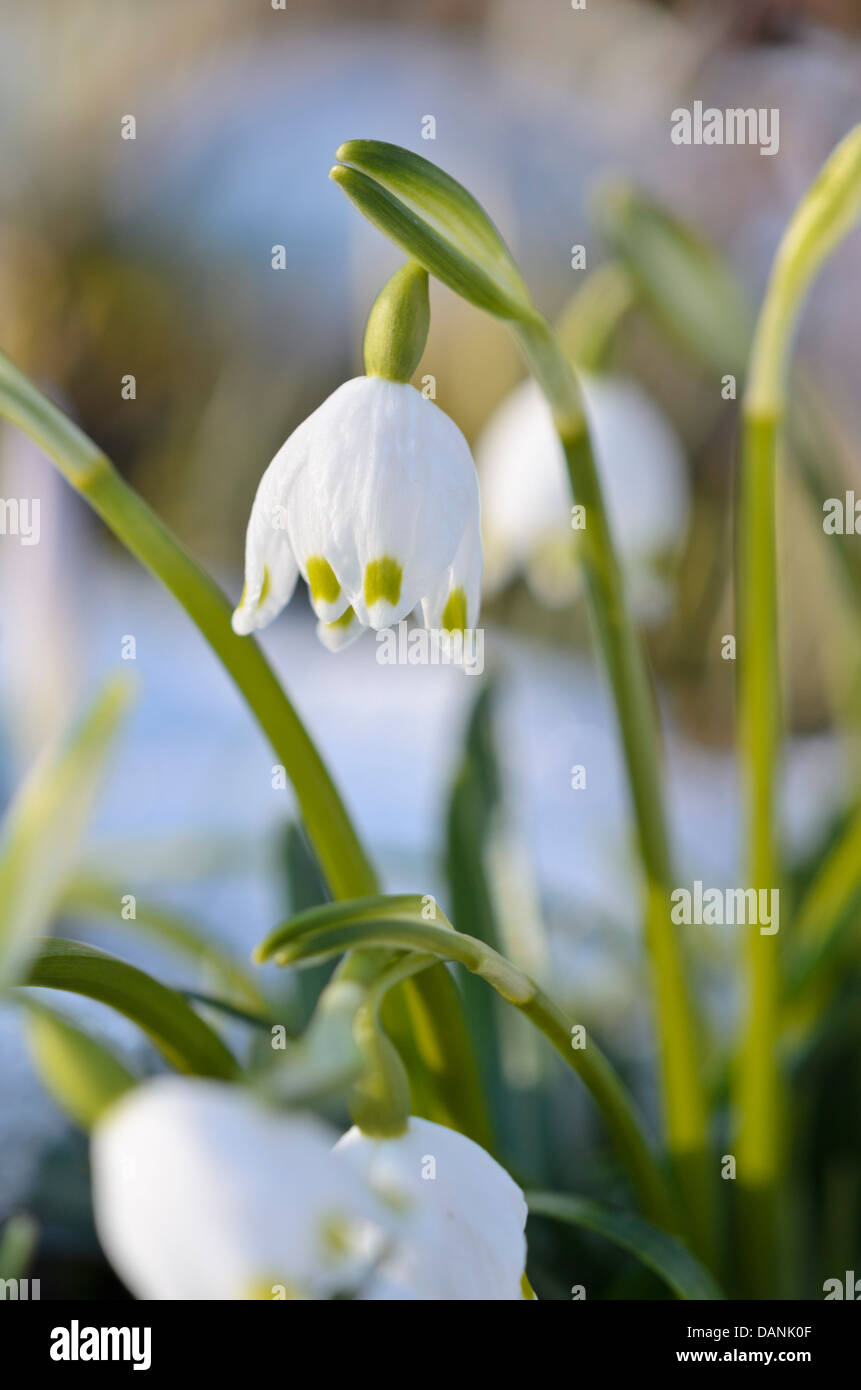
43,826
175,1029
668,1258
83,1075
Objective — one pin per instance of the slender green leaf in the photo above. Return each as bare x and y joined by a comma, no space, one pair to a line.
43,826
684,281
175,1029
83,1075
472,804
826,910
669,1259
88,895
305,888
17,1245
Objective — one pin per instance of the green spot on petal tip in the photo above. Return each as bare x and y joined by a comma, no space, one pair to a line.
454,613
383,581
322,580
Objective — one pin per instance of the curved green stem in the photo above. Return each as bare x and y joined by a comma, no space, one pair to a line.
303,941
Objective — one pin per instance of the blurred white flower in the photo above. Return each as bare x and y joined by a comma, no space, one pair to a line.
464,1218
374,499
201,1192
526,498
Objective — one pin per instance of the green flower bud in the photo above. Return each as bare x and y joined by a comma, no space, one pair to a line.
398,325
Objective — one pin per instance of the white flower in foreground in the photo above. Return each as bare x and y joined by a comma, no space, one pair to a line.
200,1192
527,497
374,500
464,1217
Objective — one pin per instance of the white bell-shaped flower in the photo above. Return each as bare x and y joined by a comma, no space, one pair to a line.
202,1192
527,496
374,500
464,1218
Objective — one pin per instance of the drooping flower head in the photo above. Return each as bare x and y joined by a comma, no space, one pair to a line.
373,499
202,1192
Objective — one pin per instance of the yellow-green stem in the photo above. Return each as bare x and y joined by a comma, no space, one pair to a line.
826,213
758,1083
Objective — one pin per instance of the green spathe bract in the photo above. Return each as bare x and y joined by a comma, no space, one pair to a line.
435,220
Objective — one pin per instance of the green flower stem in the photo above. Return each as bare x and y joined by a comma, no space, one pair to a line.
345,864
758,719
304,941
825,215
684,1099
825,913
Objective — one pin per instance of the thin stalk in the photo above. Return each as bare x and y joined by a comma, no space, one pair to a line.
683,1090
303,941
758,1081
826,213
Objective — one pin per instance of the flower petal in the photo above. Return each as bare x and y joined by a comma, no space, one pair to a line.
270,567
388,492
463,1216
341,633
454,603
202,1193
